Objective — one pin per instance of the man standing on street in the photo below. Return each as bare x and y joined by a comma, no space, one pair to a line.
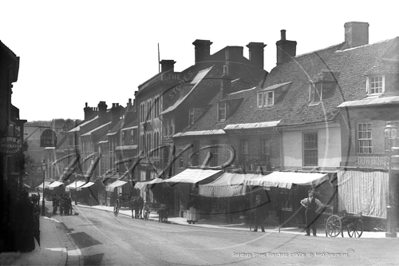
260,213
311,204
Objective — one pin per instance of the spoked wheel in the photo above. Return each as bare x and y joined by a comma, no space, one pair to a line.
355,229
333,226
116,208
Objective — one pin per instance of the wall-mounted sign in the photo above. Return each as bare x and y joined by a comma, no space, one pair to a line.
48,138
372,161
10,145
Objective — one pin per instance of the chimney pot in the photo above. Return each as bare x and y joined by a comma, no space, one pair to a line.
285,49
283,34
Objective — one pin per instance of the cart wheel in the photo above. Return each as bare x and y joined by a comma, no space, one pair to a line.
333,226
116,208
355,229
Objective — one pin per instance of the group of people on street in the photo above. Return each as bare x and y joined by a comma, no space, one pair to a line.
27,222
63,203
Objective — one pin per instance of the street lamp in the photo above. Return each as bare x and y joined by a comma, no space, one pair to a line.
44,175
390,134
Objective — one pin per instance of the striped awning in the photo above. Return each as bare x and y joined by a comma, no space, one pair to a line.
287,179
192,176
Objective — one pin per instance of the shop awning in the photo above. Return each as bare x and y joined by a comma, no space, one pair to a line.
112,186
143,185
46,184
192,176
287,179
55,184
227,185
75,184
88,184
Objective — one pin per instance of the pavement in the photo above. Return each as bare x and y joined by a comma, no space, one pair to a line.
58,249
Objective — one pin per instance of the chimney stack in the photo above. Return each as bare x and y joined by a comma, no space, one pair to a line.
356,34
202,50
285,49
115,113
102,112
256,53
89,112
167,65
233,53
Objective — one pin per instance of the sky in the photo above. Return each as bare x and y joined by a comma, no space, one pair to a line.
73,52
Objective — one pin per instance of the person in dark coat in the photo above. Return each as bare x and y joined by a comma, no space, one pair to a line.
24,224
55,203
260,213
311,205
36,216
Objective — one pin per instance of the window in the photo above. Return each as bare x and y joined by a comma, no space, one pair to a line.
181,161
260,99
142,112
315,93
265,99
375,85
195,157
131,141
149,110
364,138
265,146
214,151
221,111
244,147
191,116
310,149
123,137
157,109
269,98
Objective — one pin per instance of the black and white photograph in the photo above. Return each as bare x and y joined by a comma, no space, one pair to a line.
199,132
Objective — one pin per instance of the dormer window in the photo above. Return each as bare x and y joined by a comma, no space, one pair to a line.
375,85
221,111
265,99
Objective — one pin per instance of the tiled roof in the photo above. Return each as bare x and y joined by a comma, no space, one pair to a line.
347,67
115,128
76,129
94,130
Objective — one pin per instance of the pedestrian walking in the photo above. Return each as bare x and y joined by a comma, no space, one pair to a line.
311,205
24,223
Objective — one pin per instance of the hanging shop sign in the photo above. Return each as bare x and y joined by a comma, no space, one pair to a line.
48,138
10,145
